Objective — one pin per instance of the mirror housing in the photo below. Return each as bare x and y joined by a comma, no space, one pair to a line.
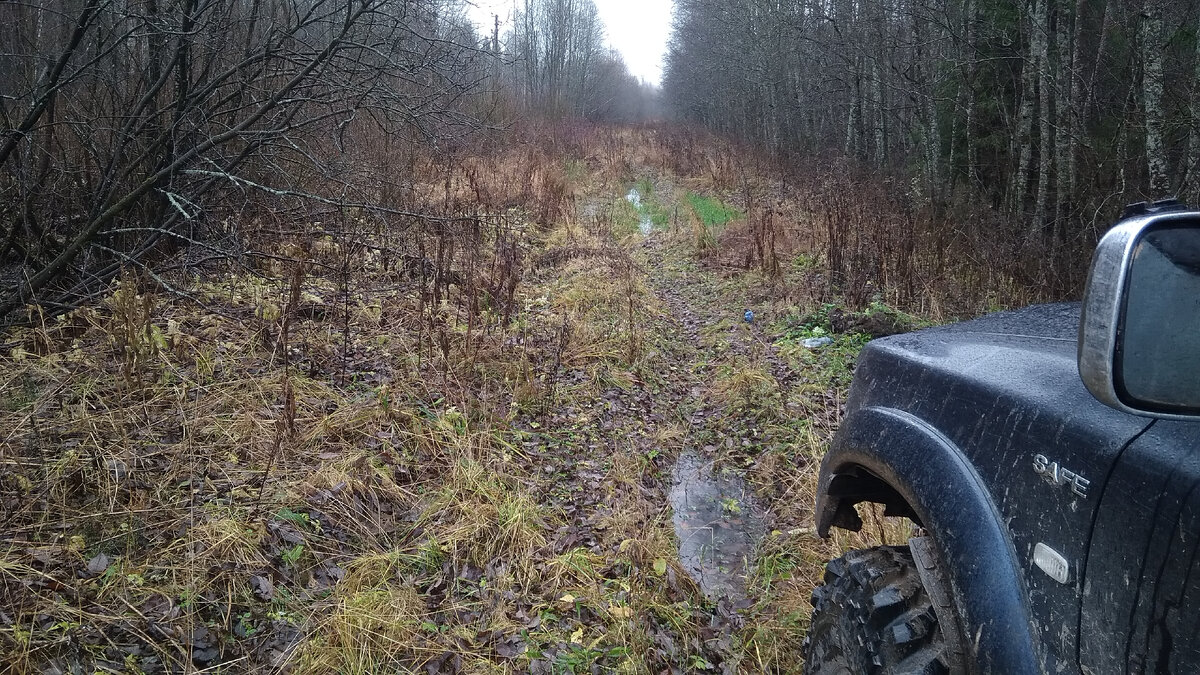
1139,332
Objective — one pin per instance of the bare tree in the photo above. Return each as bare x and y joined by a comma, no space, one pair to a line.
1044,109
127,126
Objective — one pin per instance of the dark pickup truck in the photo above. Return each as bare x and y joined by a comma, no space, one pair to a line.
1049,459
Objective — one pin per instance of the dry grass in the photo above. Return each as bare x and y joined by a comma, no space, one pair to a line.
396,446
327,465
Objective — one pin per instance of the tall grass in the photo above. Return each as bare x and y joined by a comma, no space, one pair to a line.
872,239
334,459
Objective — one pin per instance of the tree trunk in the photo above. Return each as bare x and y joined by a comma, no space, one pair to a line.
1152,99
854,114
1023,138
926,83
1064,115
1191,181
878,116
1045,131
969,124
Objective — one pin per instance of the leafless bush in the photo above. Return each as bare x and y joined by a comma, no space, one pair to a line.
132,130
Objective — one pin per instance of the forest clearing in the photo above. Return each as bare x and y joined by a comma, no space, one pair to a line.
361,459
349,336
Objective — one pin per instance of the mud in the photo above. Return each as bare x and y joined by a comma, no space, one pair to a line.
718,524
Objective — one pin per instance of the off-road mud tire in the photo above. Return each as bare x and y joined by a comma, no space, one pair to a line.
874,616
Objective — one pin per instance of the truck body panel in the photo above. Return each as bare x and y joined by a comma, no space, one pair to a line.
1143,576
1005,394
916,460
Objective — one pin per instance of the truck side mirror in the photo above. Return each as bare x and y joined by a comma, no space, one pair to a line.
1139,334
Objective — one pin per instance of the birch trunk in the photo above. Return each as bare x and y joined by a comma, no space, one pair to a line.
877,115
1191,181
853,117
925,80
1152,98
1064,115
969,55
1045,131
1023,138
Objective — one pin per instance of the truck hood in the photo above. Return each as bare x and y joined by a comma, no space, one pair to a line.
1058,322
1027,357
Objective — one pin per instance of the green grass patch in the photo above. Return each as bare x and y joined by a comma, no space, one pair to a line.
711,211
805,262
879,309
830,365
625,218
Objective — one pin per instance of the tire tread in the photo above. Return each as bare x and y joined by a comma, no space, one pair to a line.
873,616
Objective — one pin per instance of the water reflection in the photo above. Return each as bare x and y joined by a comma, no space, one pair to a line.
645,222
718,523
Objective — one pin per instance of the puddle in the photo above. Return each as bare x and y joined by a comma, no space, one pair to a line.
634,197
718,524
645,223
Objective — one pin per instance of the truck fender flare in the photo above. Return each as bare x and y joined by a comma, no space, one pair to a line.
889,456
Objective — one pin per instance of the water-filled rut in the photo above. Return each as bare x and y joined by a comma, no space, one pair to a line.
718,523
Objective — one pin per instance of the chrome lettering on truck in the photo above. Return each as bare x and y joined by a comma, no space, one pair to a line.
1060,475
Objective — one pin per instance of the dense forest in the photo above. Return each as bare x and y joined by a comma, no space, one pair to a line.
355,336
1043,115
134,126
130,125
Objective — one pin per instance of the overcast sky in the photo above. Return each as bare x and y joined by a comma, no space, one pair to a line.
637,28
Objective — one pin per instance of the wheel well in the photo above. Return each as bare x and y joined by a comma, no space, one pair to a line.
854,485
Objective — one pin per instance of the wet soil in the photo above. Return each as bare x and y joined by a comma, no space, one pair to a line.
718,522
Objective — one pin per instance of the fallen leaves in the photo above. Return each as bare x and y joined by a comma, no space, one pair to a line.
262,587
97,565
